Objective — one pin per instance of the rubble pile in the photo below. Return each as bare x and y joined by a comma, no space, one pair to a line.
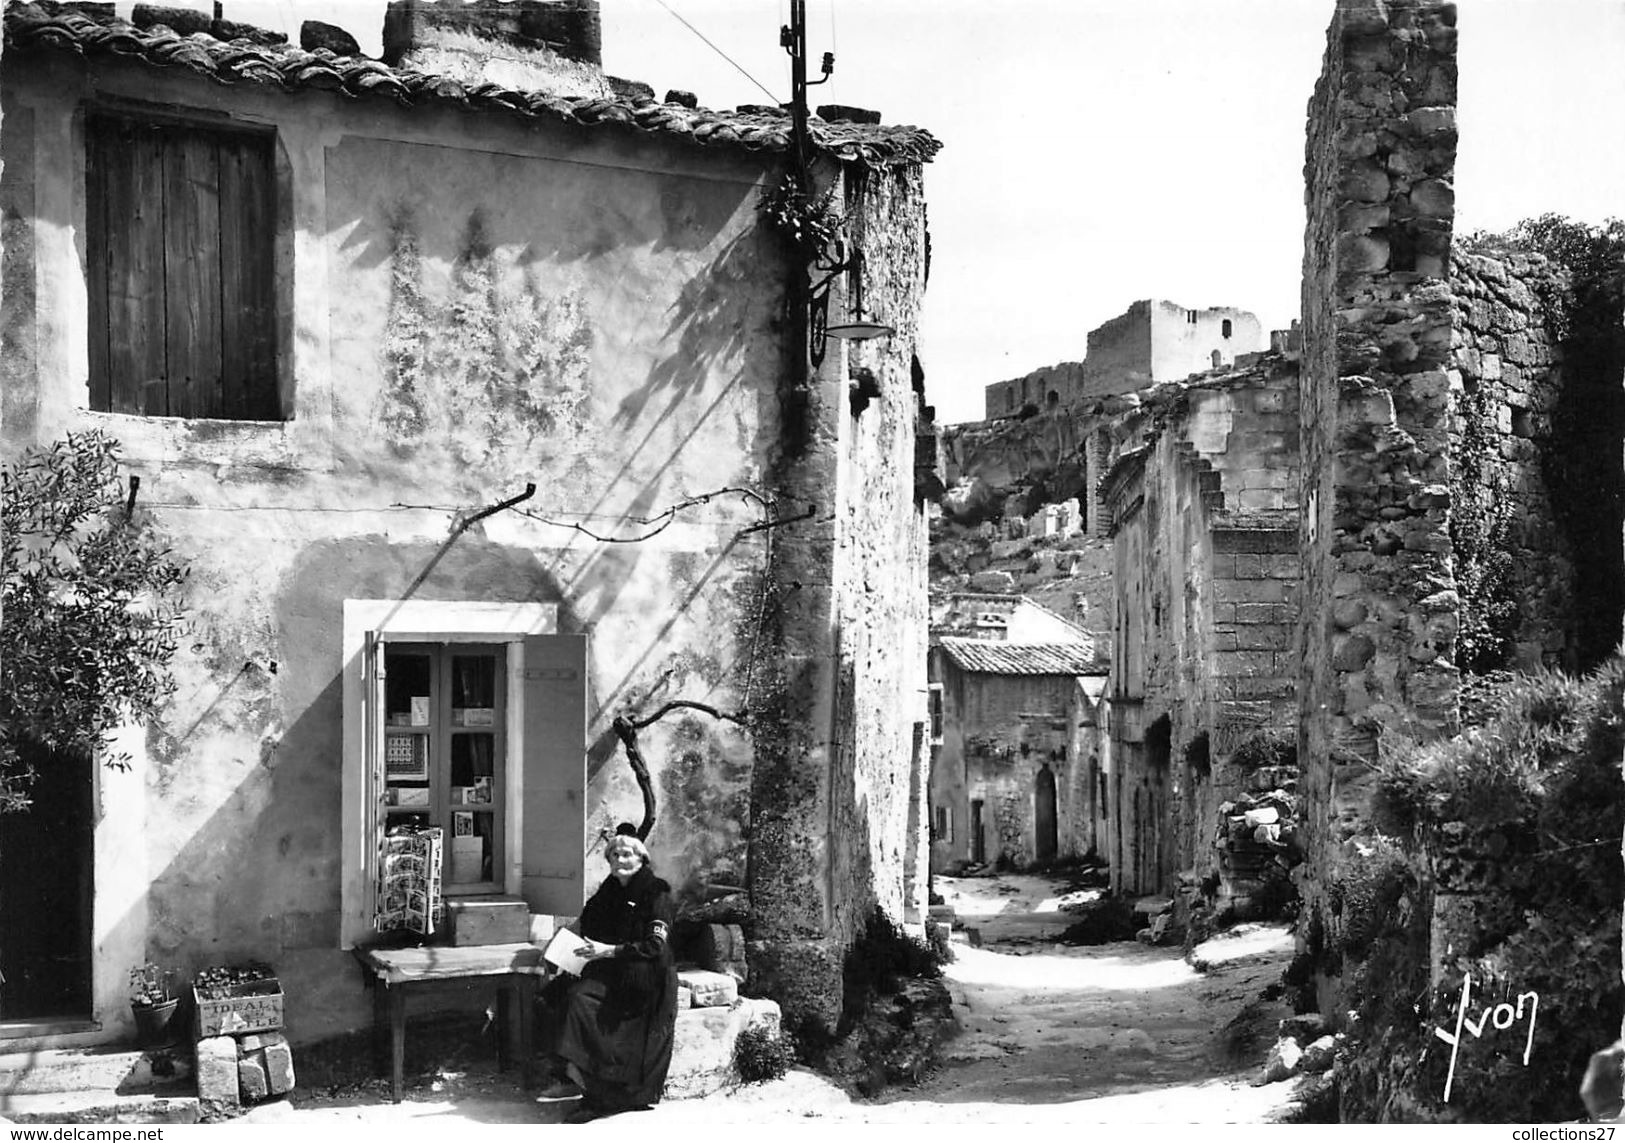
1256,841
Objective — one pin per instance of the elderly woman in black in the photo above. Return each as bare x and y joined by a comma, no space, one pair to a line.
614,1025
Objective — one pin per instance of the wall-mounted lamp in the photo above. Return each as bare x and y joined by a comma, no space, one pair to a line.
793,38
859,328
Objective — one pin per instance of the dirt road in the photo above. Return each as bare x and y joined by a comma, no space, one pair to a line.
1119,1033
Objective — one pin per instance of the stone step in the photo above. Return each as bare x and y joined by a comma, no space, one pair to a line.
109,1069
97,1107
702,1054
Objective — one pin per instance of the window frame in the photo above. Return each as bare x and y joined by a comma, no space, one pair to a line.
937,713
440,732
247,322
369,625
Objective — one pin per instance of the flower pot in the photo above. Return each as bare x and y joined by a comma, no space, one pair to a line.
152,1022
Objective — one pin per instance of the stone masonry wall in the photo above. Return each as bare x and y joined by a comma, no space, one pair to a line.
1513,568
1206,578
1379,614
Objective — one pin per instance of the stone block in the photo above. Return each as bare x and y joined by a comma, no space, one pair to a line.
703,1045
685,998
279,1067
709,989
217,1078
1283,1061
721,948
251,1078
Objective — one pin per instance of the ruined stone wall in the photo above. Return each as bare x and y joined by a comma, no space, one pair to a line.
1377,317
1513,568
1206,581
1006,398
1184,341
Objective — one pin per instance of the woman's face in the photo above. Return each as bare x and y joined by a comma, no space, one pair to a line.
623,860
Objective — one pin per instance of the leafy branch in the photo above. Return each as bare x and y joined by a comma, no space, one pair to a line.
93,603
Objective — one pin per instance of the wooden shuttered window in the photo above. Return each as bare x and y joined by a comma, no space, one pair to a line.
180,229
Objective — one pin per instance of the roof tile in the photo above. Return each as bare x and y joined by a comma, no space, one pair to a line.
64,27
988,657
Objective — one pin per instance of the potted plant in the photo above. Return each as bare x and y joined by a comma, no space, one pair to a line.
153,1000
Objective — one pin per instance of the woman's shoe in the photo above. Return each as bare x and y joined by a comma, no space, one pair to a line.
559,1089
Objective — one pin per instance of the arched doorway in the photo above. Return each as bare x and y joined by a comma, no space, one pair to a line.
1045,842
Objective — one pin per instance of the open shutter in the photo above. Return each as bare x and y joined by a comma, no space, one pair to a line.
554,822
372,798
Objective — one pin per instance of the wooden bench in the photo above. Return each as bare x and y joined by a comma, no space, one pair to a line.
513,970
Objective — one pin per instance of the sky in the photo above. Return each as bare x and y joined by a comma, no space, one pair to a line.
1098,153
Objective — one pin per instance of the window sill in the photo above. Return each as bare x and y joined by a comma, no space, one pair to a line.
32,1029
201,440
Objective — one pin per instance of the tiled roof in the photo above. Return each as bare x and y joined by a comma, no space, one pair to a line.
986,657
92,33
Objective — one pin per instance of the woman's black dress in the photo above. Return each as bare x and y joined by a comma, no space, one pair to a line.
617,1020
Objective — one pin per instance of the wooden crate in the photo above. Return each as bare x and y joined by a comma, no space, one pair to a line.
237,1009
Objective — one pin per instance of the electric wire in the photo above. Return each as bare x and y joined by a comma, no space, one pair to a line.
737,67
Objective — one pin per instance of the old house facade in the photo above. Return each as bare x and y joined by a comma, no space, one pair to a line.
1017,758
482,418
1203,506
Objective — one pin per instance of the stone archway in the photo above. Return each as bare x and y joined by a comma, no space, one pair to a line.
1046,837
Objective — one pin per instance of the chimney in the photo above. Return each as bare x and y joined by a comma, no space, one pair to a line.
528,45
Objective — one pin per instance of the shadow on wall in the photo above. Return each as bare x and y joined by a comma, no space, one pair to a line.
260,878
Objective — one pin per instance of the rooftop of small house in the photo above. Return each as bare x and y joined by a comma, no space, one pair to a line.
979,656
232,53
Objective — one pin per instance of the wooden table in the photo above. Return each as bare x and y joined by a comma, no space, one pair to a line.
513,970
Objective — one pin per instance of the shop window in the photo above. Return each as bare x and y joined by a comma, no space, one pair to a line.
179,245
470,718
445,753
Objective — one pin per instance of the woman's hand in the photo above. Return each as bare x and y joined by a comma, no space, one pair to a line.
595,950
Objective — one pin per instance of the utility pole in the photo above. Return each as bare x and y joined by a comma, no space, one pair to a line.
793,39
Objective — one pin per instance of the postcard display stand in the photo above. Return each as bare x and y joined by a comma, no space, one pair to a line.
409,881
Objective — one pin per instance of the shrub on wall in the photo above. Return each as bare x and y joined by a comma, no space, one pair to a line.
1512,850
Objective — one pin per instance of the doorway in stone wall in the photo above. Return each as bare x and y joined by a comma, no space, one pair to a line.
978,839
1159,834
1045,841
46,855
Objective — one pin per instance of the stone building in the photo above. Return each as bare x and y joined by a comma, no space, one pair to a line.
1017,760
1151,341
412,298
1202,500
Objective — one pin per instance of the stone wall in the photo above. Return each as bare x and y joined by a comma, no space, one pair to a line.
837,818
1513,569
1203,507
1377,318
